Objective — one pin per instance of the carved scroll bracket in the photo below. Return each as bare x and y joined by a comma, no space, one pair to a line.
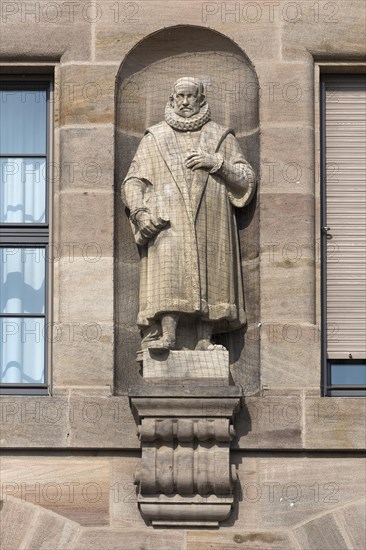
185,477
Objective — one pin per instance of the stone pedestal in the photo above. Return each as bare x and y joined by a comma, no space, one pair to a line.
185,478
185,366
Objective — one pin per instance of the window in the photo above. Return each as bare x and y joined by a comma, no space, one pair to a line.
24,233
344,233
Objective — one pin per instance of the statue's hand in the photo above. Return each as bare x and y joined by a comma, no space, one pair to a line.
201,159
148,224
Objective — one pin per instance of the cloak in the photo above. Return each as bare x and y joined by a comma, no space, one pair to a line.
193,265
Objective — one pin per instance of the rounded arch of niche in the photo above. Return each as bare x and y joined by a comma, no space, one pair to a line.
143,85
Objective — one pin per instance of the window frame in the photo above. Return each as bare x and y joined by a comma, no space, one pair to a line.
328,389
37,235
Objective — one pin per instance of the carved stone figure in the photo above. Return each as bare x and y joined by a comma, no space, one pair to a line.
183,185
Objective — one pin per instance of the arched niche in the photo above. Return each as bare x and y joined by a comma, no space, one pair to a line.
143,85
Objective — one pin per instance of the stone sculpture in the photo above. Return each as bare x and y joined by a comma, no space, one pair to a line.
183,185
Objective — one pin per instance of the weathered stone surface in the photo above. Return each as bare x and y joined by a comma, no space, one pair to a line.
324,30
292,490
87,158
290,355
87,223
83,355
89,96
352,520
285,94
321,533
102,423
51,532
127,371
95,303
128,288
15,521
127,539
287,262
335,423
245,514
65,31
285,244
75,488
124,511
186,365
271,422
231,540
34,421
141,18
90,421
286,153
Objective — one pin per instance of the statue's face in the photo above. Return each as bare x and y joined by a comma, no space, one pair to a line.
186,100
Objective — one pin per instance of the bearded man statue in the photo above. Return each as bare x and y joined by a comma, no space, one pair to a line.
186,180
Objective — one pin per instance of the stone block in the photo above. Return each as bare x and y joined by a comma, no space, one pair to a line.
51,532
74,488
87,222
201,401
285,94
65,31
85,290
270,422
99,422
246,24
87,158
231,540
291,490
28,421
335,423
287,230
352,520
286,153
16,520
88,94
83,355
245,514
129,539
287,258
321,533
324,30
287,293
290,355
185,366
124,509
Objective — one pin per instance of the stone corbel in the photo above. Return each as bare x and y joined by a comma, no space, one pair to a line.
185,477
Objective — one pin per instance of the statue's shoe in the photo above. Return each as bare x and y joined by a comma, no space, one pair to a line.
206,345
162,344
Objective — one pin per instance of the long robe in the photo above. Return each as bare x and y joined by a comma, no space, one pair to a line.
193,265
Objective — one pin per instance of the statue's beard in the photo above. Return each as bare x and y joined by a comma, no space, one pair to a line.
195,122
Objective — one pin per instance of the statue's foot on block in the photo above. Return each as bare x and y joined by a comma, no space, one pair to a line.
207,345
161,345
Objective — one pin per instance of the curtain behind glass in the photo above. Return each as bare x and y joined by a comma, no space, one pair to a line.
23,190
22,291
22,350
22,280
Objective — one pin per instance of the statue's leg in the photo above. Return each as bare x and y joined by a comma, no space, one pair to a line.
204,334
169,323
